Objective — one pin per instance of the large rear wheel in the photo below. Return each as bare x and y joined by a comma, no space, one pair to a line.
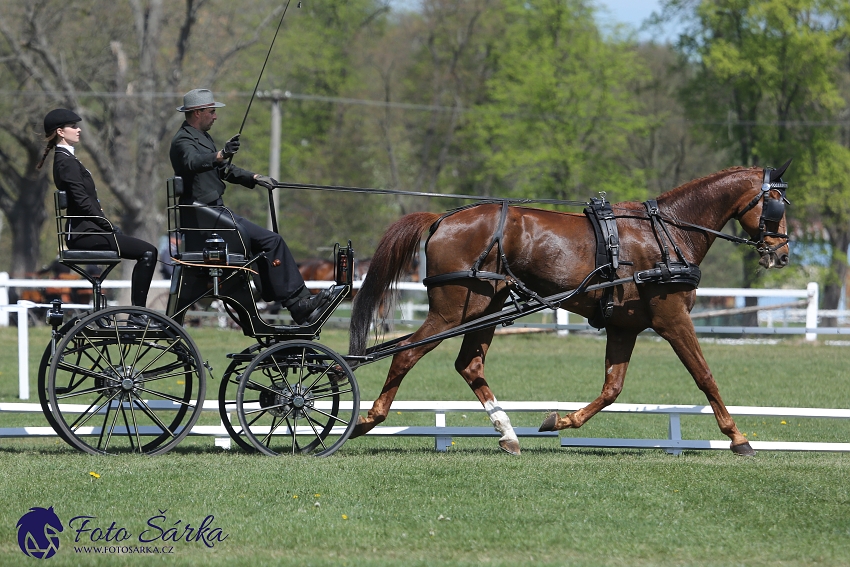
125,380
298,397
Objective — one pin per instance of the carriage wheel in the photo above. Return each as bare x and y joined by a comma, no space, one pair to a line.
298,397
227,397
114,387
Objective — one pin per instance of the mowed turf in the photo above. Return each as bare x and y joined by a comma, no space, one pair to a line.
382,501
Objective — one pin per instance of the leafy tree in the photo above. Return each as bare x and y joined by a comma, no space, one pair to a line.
111,62
559,114
766,89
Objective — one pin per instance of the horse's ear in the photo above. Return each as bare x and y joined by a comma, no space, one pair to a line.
777,173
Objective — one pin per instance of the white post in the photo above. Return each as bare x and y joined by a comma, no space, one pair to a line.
23,349
4,298
441,444
812,310
562,317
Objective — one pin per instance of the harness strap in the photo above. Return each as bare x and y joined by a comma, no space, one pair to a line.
604,223
657,222
476,273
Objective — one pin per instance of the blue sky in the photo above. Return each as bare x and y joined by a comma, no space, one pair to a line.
630,12
633,13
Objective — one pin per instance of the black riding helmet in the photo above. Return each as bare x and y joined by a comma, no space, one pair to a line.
58,118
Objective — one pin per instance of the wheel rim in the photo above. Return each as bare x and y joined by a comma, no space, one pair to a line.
115,388
298,397
227,398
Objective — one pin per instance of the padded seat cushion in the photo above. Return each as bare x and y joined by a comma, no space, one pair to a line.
90,256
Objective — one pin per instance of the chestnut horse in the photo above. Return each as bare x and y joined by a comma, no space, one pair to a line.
549,253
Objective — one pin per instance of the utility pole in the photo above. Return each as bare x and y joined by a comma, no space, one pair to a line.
274,146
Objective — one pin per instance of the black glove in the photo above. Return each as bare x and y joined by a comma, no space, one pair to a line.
266,181
231,146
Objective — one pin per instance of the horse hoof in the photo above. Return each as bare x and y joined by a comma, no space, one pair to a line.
509,446
550,421
360,428
744,449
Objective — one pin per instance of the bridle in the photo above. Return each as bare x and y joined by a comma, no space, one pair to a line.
772,210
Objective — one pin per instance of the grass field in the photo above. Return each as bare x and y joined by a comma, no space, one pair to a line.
381,501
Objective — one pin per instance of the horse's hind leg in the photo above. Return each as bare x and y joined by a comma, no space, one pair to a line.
401,365
618,352
470,365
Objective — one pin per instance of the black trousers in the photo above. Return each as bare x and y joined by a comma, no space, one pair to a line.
280,279
131,248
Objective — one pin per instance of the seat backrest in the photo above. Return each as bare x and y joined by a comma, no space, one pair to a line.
67,255
190,225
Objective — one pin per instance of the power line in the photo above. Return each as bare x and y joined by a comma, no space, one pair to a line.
408,106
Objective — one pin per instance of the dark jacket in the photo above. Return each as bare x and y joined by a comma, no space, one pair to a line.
71,176
193,158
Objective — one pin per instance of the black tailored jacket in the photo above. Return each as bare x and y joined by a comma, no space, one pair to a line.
71,176
193,158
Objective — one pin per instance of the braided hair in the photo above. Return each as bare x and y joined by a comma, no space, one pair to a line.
52,140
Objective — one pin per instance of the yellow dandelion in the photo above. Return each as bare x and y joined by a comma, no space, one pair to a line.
398,412
181,382
295,496
344,517
783,422
744,434
316,495
93,475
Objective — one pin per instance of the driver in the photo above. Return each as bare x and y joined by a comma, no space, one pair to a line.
204,170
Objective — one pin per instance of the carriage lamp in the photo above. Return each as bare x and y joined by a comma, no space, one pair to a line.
55,316
344,265
215,250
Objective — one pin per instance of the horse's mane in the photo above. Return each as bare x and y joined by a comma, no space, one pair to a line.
695,184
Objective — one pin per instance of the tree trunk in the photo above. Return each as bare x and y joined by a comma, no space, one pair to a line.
26,220
834,285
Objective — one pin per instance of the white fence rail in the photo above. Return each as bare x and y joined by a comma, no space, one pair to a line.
562,325
442,434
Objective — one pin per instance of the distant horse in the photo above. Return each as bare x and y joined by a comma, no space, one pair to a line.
532,251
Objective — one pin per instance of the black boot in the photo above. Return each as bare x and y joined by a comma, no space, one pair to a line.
308,309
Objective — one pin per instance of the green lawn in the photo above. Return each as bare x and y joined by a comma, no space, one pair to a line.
381,501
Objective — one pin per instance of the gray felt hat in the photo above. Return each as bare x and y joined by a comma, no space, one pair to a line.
197,99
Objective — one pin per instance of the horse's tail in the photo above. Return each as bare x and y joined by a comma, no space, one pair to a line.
394,252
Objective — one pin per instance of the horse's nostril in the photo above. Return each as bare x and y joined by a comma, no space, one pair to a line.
783,260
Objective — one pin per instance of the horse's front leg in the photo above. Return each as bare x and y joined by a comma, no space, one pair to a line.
683,339
470,365
618,352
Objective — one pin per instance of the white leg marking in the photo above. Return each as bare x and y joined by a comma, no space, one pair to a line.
501,421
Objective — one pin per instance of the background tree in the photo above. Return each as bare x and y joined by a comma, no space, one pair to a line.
766,90
111,62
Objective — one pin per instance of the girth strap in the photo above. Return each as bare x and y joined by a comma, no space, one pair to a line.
604,223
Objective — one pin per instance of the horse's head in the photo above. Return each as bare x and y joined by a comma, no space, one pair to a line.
763,217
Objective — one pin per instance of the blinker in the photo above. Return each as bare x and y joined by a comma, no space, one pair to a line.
773,209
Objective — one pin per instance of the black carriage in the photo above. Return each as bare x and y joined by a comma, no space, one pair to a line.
132,380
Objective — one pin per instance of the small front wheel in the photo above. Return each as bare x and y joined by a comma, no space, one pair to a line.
298,397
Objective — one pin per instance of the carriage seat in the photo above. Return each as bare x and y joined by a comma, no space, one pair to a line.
196,222
66,255
77,259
